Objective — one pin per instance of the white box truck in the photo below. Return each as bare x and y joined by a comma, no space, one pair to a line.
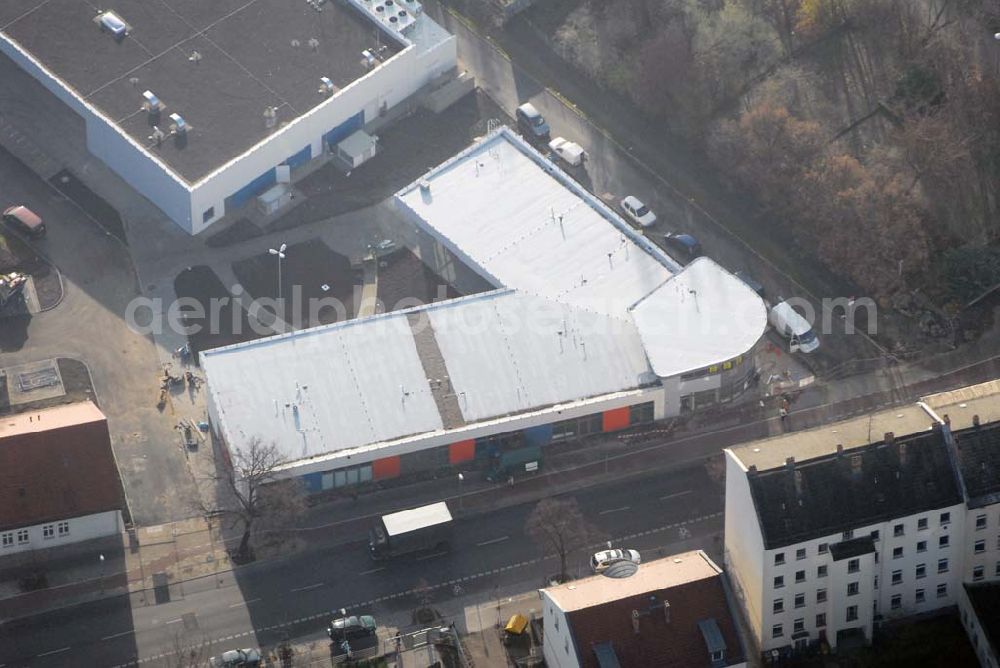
416,530
793,327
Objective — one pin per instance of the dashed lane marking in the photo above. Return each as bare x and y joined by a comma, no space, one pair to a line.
307,587
676,494
113,636
431,556
54,651
492,542
374,570
173,621
242,603
608,511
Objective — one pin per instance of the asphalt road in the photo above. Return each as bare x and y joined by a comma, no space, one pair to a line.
297,595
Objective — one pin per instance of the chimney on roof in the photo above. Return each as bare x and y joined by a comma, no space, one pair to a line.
947,420
890,437
752,469
840,450
790,463
635,622
975,420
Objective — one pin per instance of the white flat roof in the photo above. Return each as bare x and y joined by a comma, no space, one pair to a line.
701,316
524,224
416,518
320,390
509,352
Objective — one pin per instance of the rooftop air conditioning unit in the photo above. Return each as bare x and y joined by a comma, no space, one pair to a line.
326,86
405,19
412,6
368,59
151,103
177,124
113,24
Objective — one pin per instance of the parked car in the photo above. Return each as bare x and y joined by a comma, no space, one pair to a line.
637,211
685,246
569,152
602,560
532,124
236,658
25,221
351,628
751,282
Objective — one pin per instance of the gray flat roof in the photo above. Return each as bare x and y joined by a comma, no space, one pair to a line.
248,63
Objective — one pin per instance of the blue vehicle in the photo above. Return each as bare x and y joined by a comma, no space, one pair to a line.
685,246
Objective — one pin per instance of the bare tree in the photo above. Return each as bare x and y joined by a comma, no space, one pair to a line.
187,651
558,525
250,496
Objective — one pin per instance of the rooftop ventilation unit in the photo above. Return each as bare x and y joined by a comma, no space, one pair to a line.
177,124
114,24
405,19
270,116
152,103
195,57
326,86
368,59
412,6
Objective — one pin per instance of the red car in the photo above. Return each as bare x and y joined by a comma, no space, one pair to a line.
25,220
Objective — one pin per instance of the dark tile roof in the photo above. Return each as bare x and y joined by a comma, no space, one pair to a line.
979,461
847,549
833,493
679,643
985,599
56,464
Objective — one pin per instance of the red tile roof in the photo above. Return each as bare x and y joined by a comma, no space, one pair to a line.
678,643
56,464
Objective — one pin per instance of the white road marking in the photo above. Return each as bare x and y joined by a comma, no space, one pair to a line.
431,556
116,635
55,651
676,494
241,603
312,586
374,570
492,542
174,621
614,510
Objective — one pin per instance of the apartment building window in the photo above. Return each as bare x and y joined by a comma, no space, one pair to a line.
48,531
800,576
779,581
897,530
921,546
63,528
820,595
896,602
977,573
821,620
897,553
779,605
800,600
7,540
779,558
979,546
942,565
944,541
854,565
848,535
821,571
945,518
852,613
921,524
876,582
942,590
799,625
921,571
980,522
852,588
777,631
897,577
996,571
800,553
875,534
22,536
824,548
920,596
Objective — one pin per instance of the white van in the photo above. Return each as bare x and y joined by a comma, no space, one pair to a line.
794,327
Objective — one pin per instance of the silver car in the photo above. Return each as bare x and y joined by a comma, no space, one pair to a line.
602,560
637,211
236,658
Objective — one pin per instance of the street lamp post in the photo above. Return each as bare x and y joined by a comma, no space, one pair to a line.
461,499
101,558
280,252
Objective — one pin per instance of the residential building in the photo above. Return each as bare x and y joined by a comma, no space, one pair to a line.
580,326
670,612
846,531
59,481
979,607
202,106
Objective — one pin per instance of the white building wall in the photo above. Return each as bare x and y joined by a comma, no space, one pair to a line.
744,547
986,654
988,538
558,647
79,529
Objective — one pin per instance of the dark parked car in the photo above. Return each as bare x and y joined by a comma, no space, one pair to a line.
25,221
351,628
685,247
751,282
532,124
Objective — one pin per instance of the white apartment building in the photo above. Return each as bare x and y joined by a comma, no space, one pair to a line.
828,533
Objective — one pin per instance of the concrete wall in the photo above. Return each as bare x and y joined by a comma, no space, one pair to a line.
558,648
744,546
82,528
989,558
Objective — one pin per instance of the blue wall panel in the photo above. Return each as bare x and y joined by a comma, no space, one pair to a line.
540,435
345,129
252,189
313,482
300,158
